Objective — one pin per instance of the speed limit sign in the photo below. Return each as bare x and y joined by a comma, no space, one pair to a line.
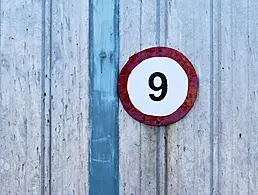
158,86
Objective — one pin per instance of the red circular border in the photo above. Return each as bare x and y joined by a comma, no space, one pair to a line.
134,61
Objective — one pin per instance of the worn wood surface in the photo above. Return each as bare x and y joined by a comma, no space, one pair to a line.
213,149
69,97
20,97
235,97
189,147
44,97
138,153
185,166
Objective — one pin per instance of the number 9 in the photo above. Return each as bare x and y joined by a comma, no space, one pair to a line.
163,86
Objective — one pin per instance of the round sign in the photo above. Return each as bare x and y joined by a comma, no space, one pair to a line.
158,86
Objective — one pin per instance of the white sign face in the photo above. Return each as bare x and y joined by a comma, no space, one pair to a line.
158,86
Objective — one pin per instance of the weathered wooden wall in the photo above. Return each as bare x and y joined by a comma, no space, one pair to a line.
20,99
51,49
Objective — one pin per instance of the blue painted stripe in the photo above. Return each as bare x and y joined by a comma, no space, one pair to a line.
103,100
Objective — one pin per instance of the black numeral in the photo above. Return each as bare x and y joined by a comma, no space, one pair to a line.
163,86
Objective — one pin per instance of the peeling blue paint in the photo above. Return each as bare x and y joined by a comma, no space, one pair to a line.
103,100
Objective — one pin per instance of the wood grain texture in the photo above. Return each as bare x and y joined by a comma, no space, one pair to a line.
148,163
138,142
20,97
44,98
69,97
175,159
46,91
129,149
189,165
236,135
252,133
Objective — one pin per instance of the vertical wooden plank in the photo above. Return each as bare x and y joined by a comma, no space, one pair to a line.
189,169
252,97
236,90
149,158
216,33
69,94
236,126
129,129
46,106
142,157
103,104
20,99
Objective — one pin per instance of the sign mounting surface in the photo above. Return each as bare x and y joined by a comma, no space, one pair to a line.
158,86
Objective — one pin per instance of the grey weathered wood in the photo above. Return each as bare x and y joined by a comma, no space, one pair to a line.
69,91
213,150
137,154
20,97
188,142
140,168
189,139
252,133
129,149
46,75
183,173
236,107
148,169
